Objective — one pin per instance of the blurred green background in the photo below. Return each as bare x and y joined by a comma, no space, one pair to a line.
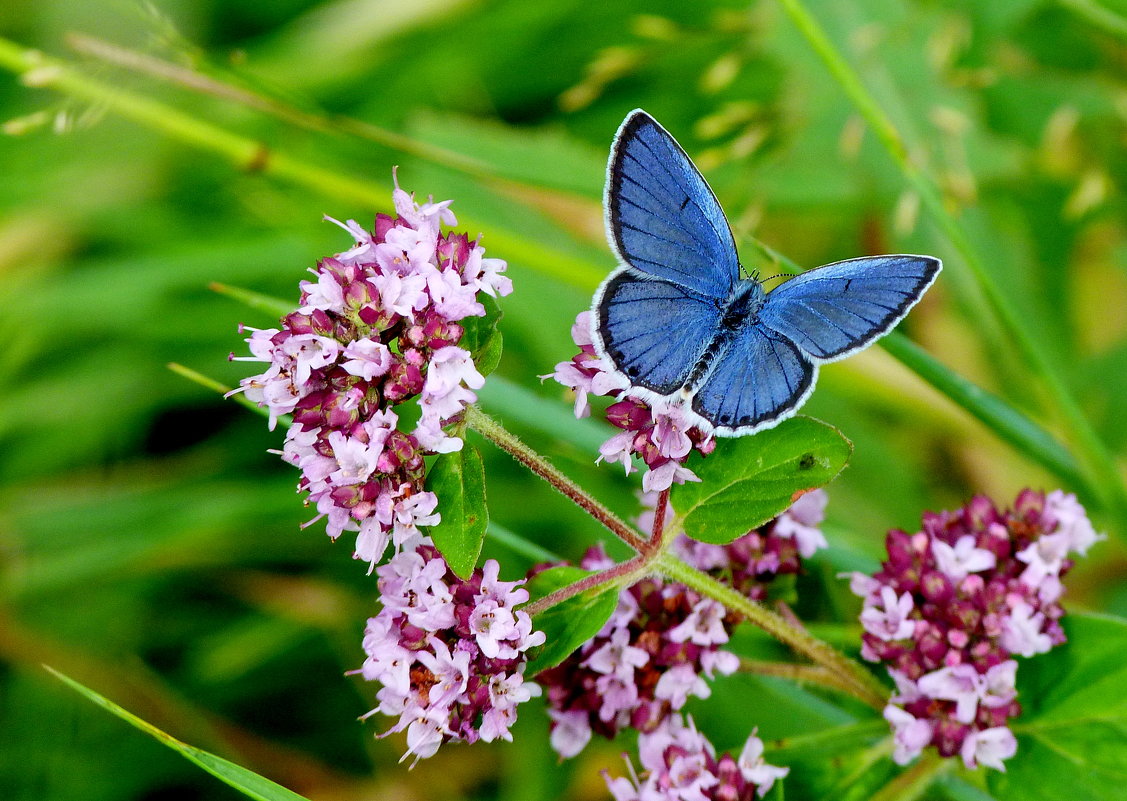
149,543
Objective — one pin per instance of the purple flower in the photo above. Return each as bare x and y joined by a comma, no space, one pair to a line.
680,764
448,653
378,327
801,523
989,747
910,734
892,622
1023,631
962,558
953,603
571,731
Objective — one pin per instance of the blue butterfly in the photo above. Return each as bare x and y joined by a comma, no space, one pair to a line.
681,324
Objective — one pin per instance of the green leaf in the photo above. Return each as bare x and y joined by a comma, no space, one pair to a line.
245,781
1072,736
459,482
748,481
481,337
570,623
489,357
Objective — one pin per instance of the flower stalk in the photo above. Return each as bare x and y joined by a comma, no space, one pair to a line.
504,439
621,574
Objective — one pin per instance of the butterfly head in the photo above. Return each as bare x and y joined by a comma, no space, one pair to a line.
744,304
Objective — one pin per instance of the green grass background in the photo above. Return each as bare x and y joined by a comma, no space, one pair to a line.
149,544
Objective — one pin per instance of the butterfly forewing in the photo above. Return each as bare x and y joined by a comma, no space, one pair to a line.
756,380
654,331
833,311
662,218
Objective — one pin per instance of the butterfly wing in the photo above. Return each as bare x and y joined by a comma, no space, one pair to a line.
758,378
833,311
653,331
662,218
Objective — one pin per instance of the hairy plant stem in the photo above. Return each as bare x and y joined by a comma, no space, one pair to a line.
622,574
493,431
658,530
856,679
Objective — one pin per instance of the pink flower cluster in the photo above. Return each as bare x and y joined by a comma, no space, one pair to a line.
664,639
378,327
680,764
449,654
950,607
661,435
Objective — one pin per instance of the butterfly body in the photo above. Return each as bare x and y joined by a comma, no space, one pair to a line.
682,324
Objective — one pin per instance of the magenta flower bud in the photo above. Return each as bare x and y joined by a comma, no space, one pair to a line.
403,380
899,546
299,324
979,513
377,318
321,323
339,410
453,251
645,448
965,614
958,638
936,587
1029,506
949,736
438,333
931,645
382,225
345,497
413,638
628,414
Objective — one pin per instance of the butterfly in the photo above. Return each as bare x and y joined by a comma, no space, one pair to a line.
682,324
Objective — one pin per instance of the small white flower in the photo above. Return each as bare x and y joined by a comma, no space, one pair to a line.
910,734
891,623
964,558
989,747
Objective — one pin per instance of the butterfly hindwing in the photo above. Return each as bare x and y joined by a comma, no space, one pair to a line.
654,331
757,379
662,218
833,311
